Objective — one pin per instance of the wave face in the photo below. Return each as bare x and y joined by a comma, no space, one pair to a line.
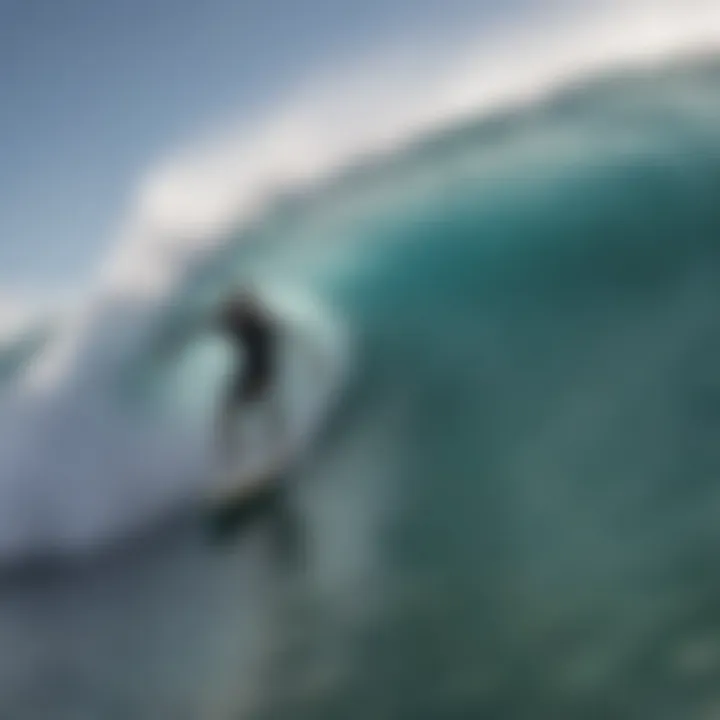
530,287
541,295
481,264
529,453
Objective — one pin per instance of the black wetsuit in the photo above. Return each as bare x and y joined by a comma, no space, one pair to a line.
251,332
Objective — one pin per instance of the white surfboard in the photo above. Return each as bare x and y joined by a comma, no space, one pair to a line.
272,436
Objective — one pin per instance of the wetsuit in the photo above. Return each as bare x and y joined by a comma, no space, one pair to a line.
250,331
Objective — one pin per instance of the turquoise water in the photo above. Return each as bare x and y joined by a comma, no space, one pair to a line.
516,515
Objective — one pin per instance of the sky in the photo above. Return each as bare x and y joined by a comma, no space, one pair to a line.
93,93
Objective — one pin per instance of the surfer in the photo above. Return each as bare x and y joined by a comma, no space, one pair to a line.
249,328
251,331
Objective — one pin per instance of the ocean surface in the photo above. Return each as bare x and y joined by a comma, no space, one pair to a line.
516,511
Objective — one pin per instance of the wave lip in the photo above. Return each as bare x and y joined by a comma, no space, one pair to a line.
186,205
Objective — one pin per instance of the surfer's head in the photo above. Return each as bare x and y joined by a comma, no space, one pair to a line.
237,310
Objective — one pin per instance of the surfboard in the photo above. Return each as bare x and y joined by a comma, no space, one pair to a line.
272,436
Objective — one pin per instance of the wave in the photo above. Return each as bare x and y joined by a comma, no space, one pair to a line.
95,440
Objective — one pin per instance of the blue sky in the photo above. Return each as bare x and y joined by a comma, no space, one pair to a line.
93,92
